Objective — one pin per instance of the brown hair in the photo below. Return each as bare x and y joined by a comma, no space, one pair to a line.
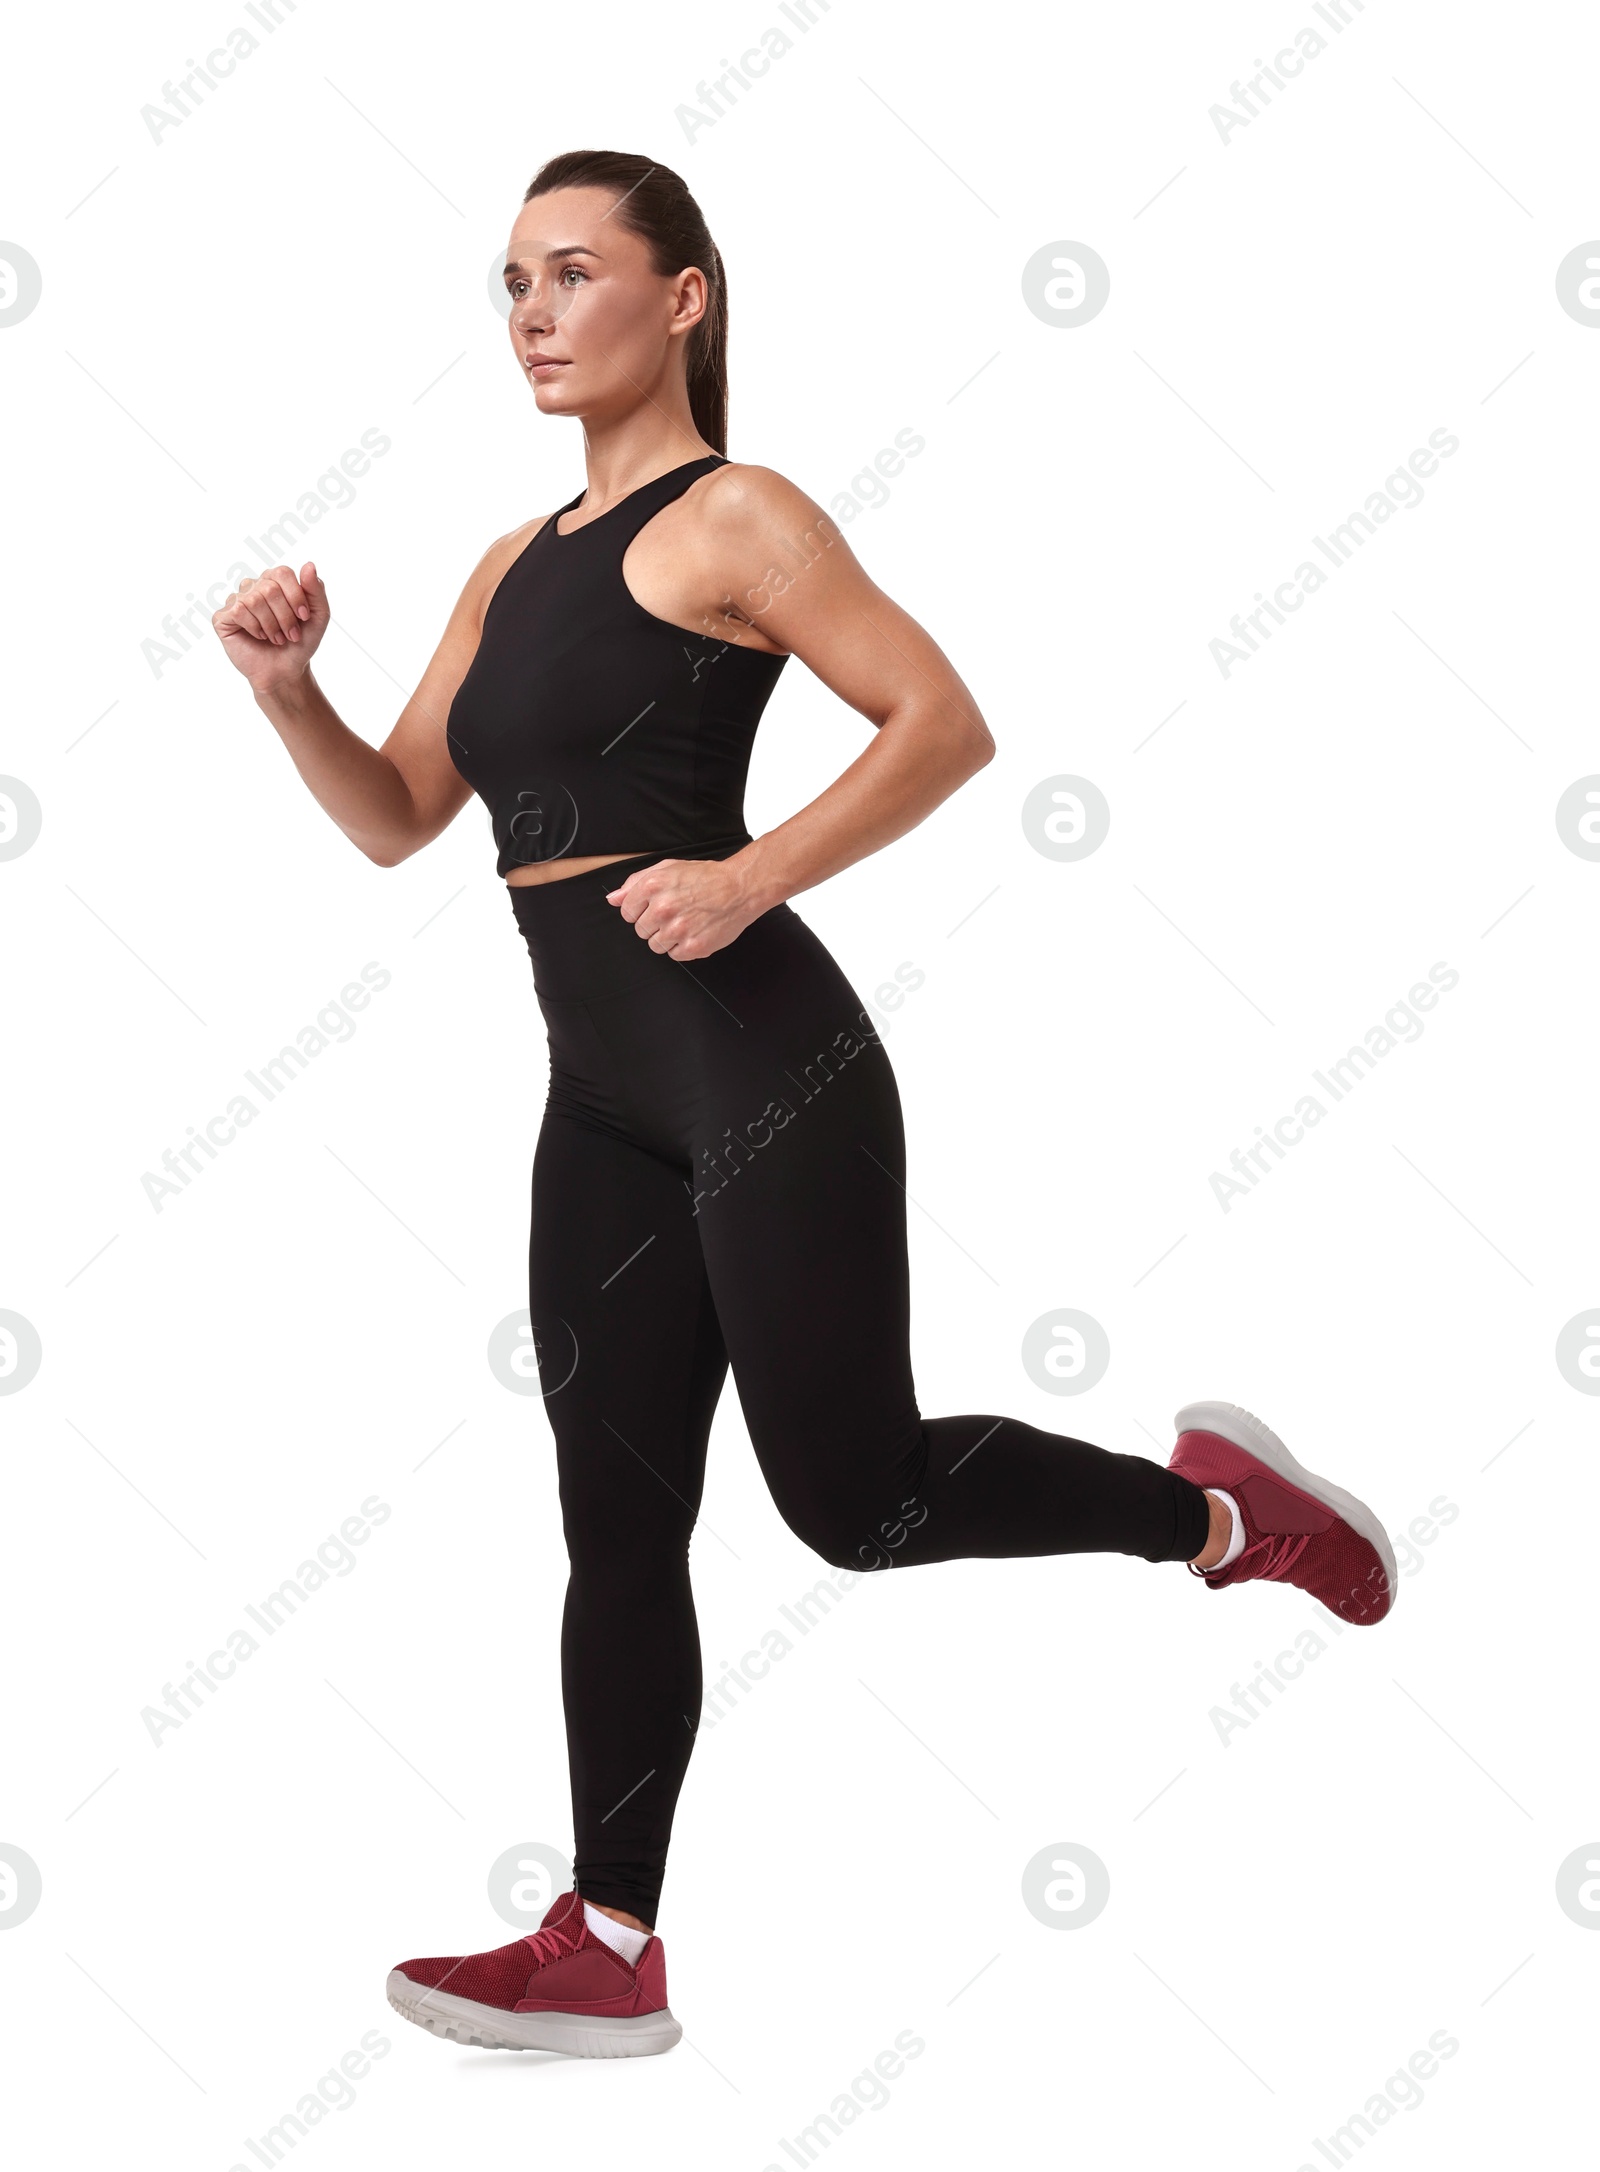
655,203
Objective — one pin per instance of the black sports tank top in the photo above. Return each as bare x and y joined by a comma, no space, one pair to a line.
587,725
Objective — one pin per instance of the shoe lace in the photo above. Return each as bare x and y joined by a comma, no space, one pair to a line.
554,1943
1278,1553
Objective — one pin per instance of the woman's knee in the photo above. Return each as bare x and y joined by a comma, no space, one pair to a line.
612,1539
851,1532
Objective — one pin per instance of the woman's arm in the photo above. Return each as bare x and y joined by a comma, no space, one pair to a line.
754,531
391,800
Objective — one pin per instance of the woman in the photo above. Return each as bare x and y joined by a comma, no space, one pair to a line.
719,1172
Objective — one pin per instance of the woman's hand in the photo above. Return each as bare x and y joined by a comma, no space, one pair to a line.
689,908
271,626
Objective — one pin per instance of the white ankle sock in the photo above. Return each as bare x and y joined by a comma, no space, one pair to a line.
1235,1546
629,1943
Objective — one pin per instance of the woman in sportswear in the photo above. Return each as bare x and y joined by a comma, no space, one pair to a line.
720,1167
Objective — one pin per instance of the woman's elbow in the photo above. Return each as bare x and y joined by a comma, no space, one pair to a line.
396,835
976,748
386,852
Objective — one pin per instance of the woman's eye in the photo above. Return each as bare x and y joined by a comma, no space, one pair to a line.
574,270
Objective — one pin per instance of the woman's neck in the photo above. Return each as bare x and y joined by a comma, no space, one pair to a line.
649,442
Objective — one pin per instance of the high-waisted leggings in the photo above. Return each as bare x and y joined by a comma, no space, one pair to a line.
719,1179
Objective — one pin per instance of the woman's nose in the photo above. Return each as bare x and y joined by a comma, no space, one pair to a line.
532,314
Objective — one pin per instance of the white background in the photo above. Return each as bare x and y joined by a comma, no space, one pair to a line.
1374,1859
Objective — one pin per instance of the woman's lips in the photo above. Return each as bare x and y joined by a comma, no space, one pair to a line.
538,365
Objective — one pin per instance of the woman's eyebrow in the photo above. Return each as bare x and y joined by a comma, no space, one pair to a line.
553,256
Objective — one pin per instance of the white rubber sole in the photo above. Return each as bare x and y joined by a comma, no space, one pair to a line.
580,2036
1246,1431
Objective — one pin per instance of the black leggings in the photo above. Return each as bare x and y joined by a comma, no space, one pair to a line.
719,1179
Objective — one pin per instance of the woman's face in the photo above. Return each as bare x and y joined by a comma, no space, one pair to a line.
594,328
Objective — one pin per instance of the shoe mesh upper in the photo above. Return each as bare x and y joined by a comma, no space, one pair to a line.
1310,1545
497,1978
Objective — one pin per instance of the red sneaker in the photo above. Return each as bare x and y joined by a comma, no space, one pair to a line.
1299,1529
558,1989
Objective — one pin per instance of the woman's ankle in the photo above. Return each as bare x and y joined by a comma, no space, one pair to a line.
631,1923
1219,1534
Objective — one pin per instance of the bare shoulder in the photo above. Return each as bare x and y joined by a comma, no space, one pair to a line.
754,526
742,503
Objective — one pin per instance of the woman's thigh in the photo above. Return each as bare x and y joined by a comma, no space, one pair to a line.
630,1355
799,1200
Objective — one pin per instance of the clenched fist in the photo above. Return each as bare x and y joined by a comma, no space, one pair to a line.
271,626
688,908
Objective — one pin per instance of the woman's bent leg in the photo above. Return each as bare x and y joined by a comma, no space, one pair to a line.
631,1363
802,1218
